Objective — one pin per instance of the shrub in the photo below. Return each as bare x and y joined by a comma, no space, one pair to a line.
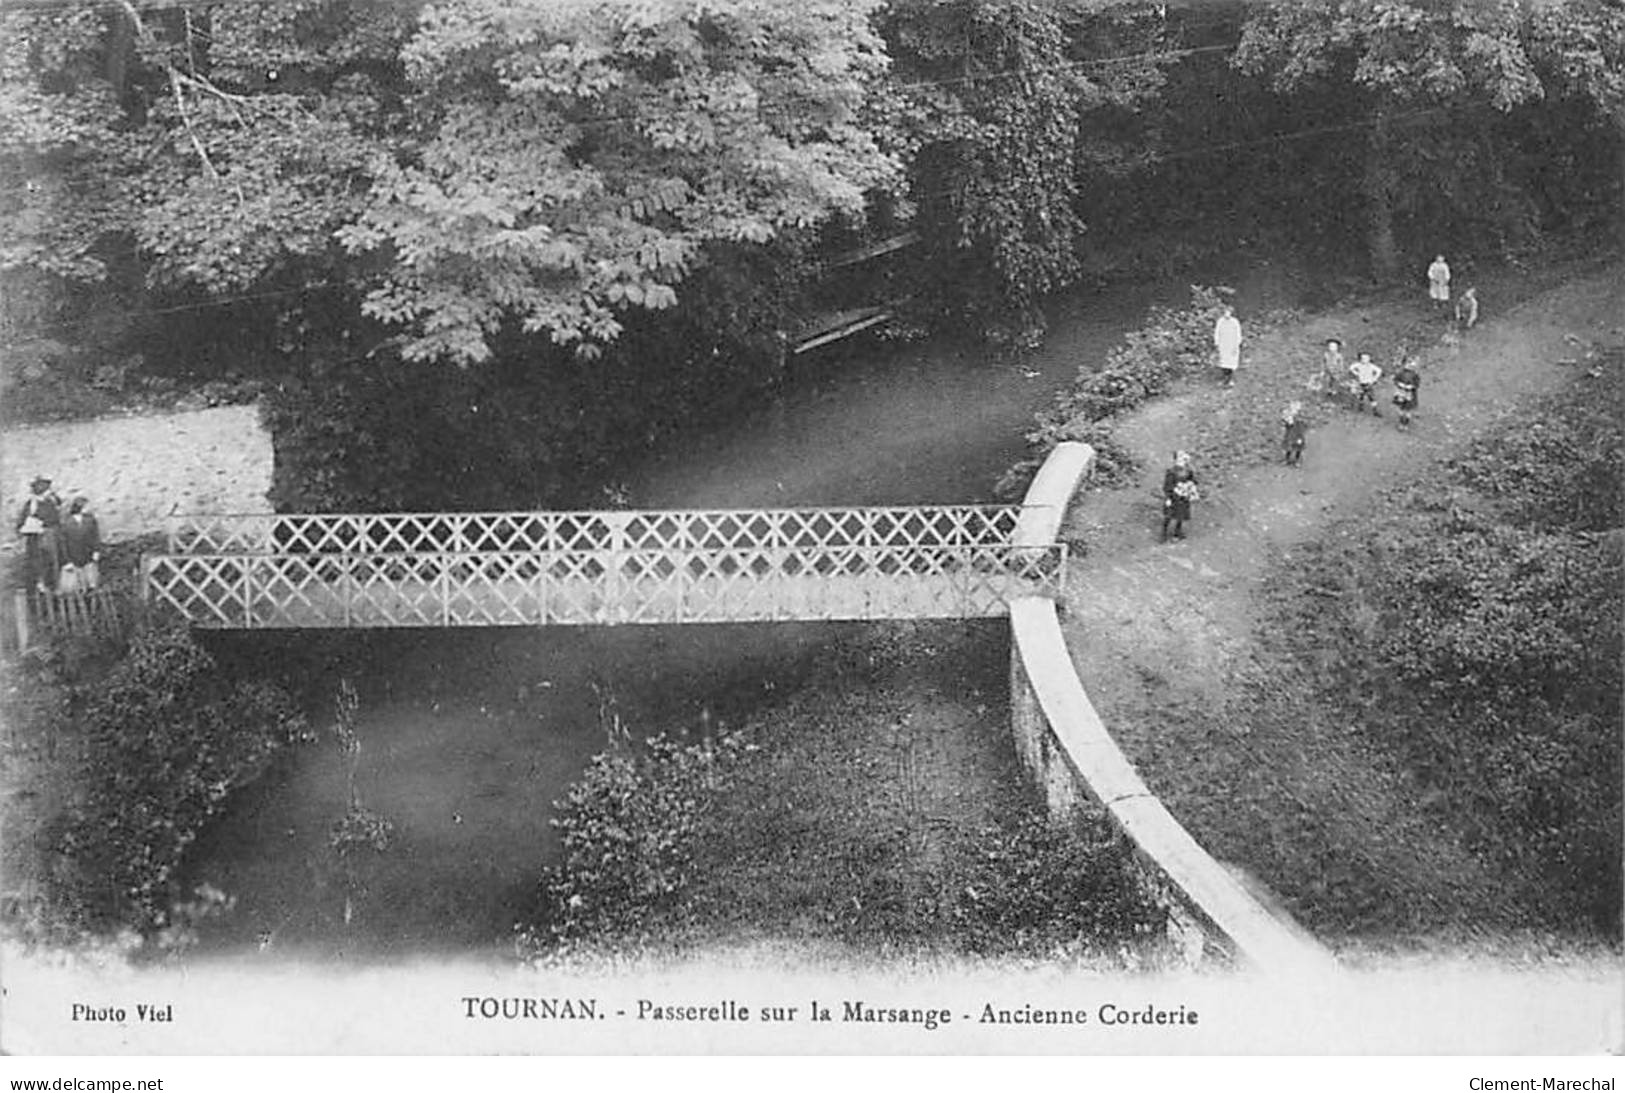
167,741
629,828
1172,342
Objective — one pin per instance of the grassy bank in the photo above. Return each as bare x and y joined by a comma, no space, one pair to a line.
879,809
1467,628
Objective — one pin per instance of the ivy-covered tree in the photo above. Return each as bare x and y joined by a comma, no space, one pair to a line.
988,104
576,158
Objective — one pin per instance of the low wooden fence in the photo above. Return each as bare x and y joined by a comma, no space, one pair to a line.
101,612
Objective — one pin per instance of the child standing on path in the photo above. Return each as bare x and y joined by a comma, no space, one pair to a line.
1178,491
1332,368
1467,309
1227,339
1295,432
1407,385
1366,373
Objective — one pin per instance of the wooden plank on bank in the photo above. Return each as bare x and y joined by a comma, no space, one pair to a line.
874,250
842,324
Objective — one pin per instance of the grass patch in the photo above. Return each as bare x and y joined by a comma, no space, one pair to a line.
881,809
1466,631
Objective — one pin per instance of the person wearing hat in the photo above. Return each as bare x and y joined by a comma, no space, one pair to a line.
81,549
38,523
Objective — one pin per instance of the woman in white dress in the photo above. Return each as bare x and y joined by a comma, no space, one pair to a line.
1227,339
1439,283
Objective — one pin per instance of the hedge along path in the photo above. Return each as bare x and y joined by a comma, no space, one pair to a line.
1164,636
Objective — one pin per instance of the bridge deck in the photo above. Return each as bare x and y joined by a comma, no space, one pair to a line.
597,568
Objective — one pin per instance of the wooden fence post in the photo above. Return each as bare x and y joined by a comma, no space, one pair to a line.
20,603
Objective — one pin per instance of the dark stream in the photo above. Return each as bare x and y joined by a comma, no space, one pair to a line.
468,736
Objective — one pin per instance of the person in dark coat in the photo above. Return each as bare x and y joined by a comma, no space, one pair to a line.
82,545
1178,491
1407,390
38,523
1295,432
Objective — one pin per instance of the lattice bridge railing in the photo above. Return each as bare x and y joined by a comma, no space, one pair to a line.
606,568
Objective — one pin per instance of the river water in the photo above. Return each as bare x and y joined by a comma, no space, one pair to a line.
468,736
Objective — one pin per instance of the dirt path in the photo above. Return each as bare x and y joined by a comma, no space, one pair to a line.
1164,635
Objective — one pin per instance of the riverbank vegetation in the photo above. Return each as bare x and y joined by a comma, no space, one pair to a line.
140,748
1172,344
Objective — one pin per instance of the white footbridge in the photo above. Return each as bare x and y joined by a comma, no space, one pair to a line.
597,567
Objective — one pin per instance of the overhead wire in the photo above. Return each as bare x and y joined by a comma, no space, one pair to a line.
55,6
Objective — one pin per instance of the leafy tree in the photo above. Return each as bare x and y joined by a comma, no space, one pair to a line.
1579,46
1422,74
182,156
218,145
576,158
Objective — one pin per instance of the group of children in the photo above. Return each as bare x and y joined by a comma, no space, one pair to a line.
1359,382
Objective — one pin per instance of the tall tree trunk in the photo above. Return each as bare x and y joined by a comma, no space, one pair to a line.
1619,149
120,47
1384,250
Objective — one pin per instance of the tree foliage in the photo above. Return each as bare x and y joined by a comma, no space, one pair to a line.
578,157
988,105
1430,85
218,146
